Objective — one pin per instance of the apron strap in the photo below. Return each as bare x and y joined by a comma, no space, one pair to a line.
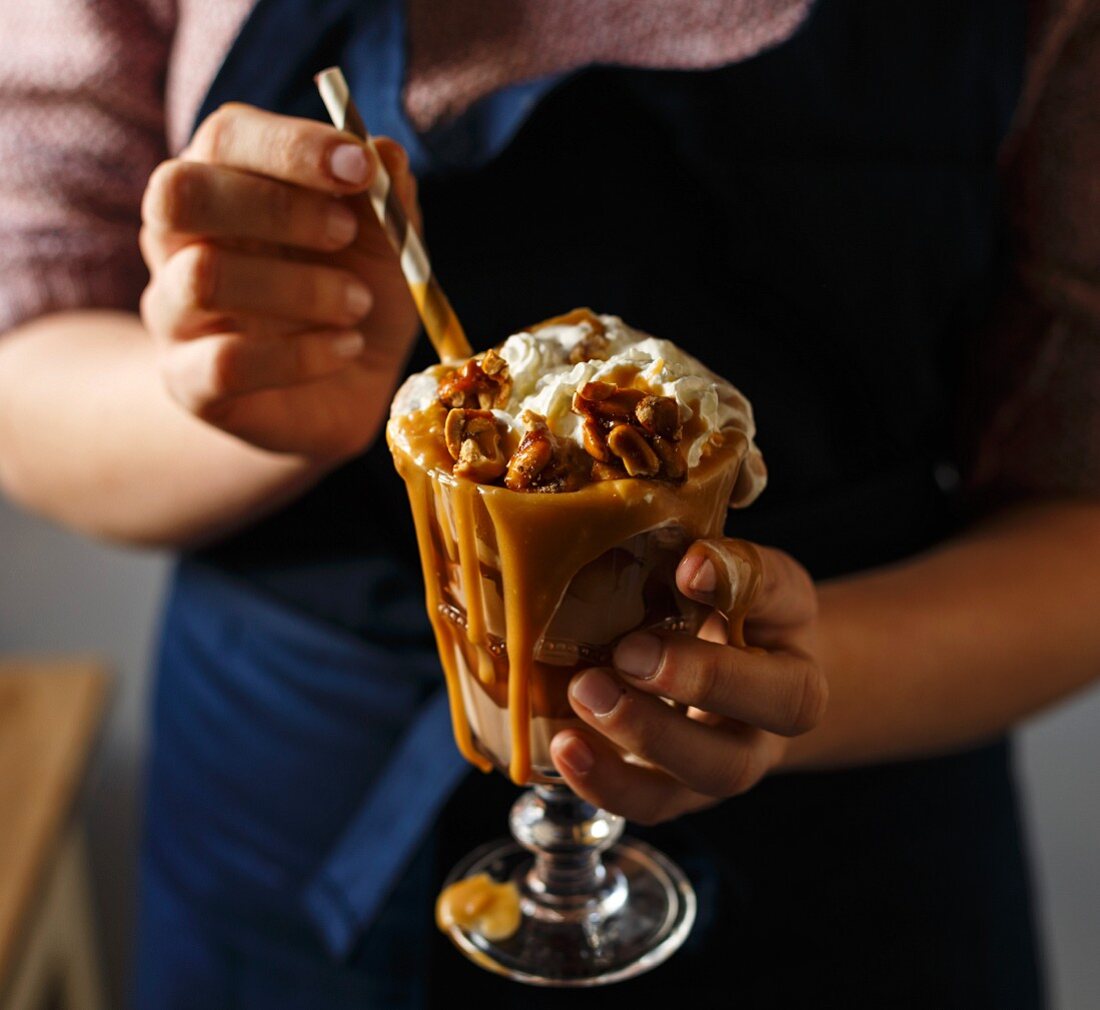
362,868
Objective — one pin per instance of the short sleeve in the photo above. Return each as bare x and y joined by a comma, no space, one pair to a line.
81,128
1036,381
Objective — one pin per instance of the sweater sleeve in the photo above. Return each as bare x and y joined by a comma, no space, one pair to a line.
1035,394
81,128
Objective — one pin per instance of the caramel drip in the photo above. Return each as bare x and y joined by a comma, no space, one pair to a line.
420,497
469,562
740,572
481,905
543,541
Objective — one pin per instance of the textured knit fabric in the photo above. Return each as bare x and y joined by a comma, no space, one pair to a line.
462,50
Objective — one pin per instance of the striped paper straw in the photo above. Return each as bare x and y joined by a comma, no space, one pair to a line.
444,330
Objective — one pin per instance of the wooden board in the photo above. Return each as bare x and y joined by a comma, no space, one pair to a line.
50,711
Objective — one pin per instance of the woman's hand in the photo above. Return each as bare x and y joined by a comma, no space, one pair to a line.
278,307
742,703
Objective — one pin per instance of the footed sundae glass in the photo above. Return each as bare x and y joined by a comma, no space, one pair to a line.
524,589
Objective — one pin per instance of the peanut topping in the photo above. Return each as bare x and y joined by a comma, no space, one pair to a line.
631,447
544,462
474,440
659,415
626,432
593,347
481,382
628,428
673,464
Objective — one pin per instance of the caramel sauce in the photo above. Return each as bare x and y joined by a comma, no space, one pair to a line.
572,318
481,905
504,559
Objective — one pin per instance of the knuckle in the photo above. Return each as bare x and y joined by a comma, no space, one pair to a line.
168,195
281,201
294,148
223,371
145,307
179,382
705,679
738,777
147,246
213,135
809,699
622,719
197,266
628,722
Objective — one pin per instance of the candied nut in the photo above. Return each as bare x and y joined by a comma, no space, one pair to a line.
631,447
596,390
545,463
592,346
493,363
534,453
607,401
473,465
673,464
659,415
480,382
595,440
473,439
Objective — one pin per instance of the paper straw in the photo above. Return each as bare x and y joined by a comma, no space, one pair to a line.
444,329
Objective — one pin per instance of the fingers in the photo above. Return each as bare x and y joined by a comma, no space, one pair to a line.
708,759
189,200
287,148
202,283
205,373
596,772
784,691
768,586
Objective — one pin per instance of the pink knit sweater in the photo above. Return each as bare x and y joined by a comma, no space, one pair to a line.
94,95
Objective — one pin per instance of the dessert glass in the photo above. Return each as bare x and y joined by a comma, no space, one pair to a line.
523,590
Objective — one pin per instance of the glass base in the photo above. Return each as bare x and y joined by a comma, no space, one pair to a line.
640,914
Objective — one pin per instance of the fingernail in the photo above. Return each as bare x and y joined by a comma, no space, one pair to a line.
349,163
348,345
597,692
576,755
358,300
705,579
638,655
341,226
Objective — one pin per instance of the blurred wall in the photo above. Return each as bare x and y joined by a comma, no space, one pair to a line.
60,593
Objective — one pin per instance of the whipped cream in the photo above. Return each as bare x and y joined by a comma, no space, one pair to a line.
543,381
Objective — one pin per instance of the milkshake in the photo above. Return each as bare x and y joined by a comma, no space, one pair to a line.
555,482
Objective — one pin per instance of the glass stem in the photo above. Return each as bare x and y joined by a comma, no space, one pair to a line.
567,836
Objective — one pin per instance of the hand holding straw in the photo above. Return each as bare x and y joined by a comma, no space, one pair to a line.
442,325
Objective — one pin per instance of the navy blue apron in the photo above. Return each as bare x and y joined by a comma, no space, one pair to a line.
832,234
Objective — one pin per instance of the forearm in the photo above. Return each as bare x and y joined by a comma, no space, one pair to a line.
90,438
955,646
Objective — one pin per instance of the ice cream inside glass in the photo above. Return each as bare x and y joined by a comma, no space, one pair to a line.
555,483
